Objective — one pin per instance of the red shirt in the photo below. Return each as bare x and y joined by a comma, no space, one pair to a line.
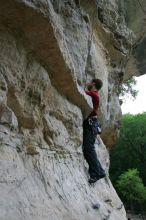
95,100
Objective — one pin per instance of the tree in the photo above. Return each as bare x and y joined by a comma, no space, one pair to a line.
130,150
127,87
130,187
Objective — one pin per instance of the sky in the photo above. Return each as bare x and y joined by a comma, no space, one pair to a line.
139,104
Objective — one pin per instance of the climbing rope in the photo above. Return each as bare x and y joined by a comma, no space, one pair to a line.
141,6
125,61
130,51
140,68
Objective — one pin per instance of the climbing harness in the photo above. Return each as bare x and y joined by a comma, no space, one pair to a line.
96,127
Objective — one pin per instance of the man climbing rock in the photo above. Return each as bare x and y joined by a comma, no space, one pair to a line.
90,130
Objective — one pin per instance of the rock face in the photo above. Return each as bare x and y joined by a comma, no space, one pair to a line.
49,49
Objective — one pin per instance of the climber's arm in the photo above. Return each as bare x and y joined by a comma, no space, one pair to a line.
88,92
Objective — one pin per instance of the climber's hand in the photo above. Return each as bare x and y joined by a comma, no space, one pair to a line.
90,85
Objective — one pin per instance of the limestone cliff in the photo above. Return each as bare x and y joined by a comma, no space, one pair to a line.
48,50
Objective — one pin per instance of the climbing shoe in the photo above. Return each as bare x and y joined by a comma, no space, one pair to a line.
94,179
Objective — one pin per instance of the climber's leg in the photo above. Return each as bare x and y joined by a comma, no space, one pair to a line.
95,169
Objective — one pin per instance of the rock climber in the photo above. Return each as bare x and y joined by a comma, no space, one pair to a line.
91,128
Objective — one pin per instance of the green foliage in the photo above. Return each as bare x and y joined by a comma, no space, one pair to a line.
131,188
130,150
130,153
127,88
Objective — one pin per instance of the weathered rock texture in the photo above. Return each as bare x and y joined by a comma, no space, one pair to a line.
48,50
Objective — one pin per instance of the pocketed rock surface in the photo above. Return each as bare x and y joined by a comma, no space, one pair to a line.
48,51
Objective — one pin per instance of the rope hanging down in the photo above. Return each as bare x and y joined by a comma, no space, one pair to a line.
126,61
141,6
